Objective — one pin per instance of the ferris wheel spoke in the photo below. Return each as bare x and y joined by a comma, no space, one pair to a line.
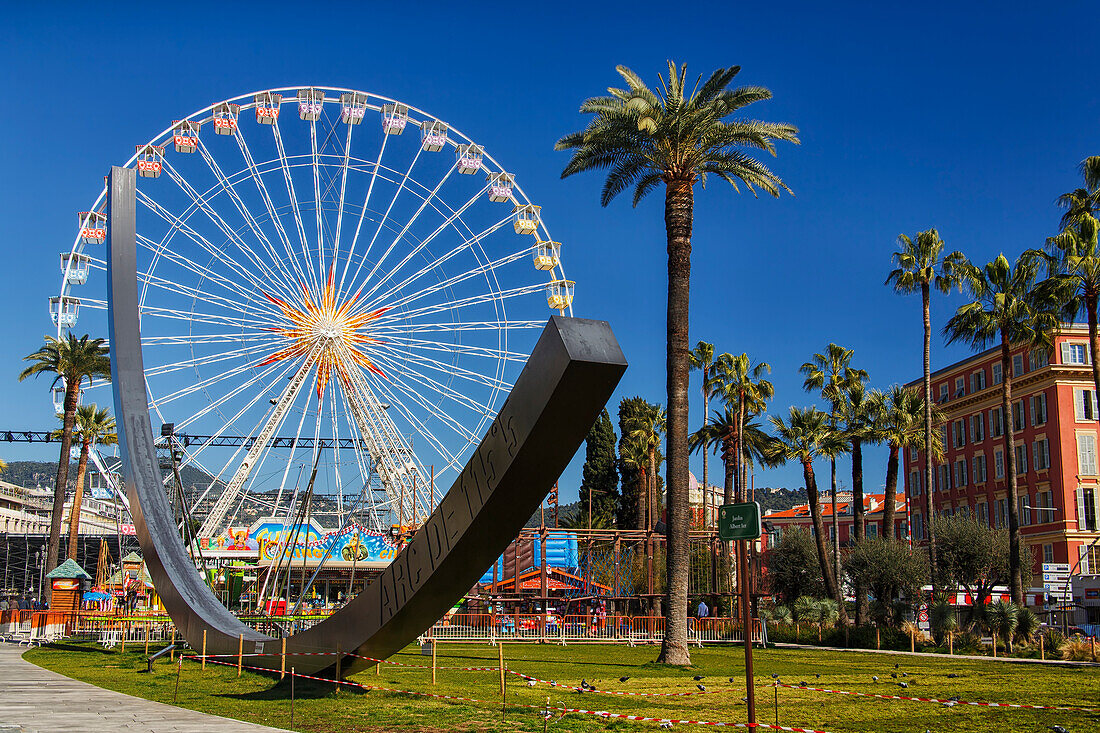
386,216
269,204
343,193
398,381
295,207
209,382
206,359
202,202
317,196
434,385
192,339
380,387
208,276
413,252
400,357
200,317
481,269
450,327
461,303
362,213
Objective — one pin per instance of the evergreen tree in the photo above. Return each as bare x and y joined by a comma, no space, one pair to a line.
600,475
631,411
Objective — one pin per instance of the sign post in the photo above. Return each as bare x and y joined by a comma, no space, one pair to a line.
741,522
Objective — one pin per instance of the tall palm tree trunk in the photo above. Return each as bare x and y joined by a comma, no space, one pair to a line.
706,447
679,200
1016,581
889,509
1094,339
835,523
653,501
72,396
78,498
641,489
819,538
858,524
930,532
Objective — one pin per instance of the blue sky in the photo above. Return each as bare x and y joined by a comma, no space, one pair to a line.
967,117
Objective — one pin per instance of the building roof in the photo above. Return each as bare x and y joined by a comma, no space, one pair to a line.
872,504
133,557
68,569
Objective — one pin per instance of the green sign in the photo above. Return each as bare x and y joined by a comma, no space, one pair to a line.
739,521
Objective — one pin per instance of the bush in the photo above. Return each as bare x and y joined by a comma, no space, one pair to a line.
1003,618
1027,624
1077,649
793,569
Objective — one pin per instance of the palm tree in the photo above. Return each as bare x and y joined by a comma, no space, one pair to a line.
648,431
832,374
900,422
922,265
721,432
92,426
1008,309
857,411
702,358
805,437
1078,259
1083,202
635,454
71,361
677,137
746,390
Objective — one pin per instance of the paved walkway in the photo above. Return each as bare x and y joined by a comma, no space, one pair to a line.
34,700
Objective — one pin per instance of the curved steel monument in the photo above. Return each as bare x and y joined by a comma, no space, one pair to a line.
570,375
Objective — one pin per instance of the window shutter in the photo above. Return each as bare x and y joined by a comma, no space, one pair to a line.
1065,352
1082,553
1032,405
1078,402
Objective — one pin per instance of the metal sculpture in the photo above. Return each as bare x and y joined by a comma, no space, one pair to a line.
570,375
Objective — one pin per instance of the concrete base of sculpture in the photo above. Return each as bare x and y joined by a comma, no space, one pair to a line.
569,377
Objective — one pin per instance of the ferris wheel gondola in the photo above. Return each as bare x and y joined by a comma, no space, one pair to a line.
339,294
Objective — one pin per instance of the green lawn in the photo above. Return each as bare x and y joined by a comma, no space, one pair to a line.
261,699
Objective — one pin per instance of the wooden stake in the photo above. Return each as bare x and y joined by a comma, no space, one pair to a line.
204,649
282,660
912,642
240,653
336,682
500,656
122,626
994,645
878,638
1042,653
179,668
433,661
172,651
377,668
950,642
146,638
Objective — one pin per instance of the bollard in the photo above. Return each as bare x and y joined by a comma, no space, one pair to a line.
240,653
377,668
878,639
282,660
433,661
776,686
336,682
179,668
500,655
1092,647
1042,654
172,653
204,649
994,645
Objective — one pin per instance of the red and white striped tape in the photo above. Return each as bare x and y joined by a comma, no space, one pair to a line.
613,692
540,708
349,654
942,702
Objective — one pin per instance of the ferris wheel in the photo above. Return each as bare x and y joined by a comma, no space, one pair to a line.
342,295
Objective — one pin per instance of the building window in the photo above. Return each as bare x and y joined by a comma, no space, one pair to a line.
1018,365
1048,553
1022,510
997,373
1046,502
977,381
914,481
977,428
1018,416
1084,404
1086,454
1038,405
943,435
872,529
958,433
944,478
960,386
979,469
1075,353
981,513
1040,452
943,392
960,472
1021,460
1086,510
1037,359
1000,513
998,464
918,526
996,422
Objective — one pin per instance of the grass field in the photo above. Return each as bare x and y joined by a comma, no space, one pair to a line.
261,699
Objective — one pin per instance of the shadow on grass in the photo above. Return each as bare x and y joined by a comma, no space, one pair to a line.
303,690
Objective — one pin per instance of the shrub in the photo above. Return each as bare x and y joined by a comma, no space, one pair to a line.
1027,624
1077,649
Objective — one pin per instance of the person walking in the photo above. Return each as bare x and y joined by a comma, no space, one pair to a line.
702,611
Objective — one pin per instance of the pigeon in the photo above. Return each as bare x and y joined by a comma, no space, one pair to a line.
952,676
950,704
903,684
584,683
697,677
775,676
904,674
803,683
731,680
818,675
744,699
896,666
701,688
874,678
894,675
531,683
1057,729
623,679
666,725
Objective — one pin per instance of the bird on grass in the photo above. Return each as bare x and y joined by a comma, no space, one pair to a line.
1057,728
904,674
775,676
803,683
952,676
666,725
698,677
896,665
731,680
818,675
903,684
894,675
701,688
585,685
874,678
623,679
531,683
